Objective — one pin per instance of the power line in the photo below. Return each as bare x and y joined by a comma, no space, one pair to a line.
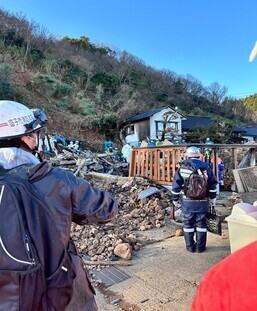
242,94
245,93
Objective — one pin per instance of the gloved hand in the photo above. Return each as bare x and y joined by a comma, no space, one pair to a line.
177,205
213,202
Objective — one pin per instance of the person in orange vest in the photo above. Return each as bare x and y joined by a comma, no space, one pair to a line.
230,284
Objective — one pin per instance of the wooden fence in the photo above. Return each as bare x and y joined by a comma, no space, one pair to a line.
160,163
156,163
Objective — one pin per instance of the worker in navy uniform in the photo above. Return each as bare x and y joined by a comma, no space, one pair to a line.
194,211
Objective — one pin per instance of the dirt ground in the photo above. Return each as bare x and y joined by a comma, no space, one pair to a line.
163,276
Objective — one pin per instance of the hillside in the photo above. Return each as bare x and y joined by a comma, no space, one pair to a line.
88,90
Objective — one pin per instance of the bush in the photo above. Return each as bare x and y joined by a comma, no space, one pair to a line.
84,106
37,55
72,73
43,79
62,90
107,123
63,105
49,84
6,88
107,81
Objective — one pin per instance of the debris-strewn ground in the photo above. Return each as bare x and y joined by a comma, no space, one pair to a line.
99,241
118,241
118,238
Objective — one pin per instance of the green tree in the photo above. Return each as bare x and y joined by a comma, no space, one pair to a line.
5,83
251,102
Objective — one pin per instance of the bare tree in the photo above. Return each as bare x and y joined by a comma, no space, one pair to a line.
169,129
216,93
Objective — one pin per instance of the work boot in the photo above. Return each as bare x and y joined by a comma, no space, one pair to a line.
191,249
201,235
200,250
189,239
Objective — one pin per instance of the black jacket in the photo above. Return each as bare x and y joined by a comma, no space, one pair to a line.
65,199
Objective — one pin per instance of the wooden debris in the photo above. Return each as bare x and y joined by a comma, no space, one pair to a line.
81,163
246,179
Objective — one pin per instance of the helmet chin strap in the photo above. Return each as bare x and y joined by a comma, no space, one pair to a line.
38,154
35,150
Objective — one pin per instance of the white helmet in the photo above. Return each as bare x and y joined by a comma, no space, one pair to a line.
17,120
193,152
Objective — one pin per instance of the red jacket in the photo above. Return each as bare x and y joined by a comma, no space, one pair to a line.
230,285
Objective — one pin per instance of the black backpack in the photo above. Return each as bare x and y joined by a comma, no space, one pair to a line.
196,185
34,274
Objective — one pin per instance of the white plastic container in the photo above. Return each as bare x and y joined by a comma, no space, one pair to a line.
242,225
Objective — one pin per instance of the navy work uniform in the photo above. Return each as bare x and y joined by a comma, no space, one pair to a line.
194,211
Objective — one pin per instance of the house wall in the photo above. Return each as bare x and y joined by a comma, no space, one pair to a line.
158,117
143,128
141,131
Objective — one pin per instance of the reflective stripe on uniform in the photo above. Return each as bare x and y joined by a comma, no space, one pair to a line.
173,192
201,229
190,200
185,173
213,190
189,229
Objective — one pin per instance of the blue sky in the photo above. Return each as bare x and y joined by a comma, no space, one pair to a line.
210,40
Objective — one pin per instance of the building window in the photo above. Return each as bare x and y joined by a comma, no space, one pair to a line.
166,127
129,130
160,126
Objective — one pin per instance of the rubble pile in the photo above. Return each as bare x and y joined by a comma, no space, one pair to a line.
84,162
118,237
242,158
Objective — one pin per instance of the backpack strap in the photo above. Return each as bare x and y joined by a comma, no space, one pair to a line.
20,173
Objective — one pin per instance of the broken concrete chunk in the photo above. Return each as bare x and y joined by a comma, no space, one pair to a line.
123,250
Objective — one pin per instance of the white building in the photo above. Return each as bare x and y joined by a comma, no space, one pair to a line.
153,124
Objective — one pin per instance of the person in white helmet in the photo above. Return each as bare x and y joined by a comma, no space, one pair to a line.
63,198
194,210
